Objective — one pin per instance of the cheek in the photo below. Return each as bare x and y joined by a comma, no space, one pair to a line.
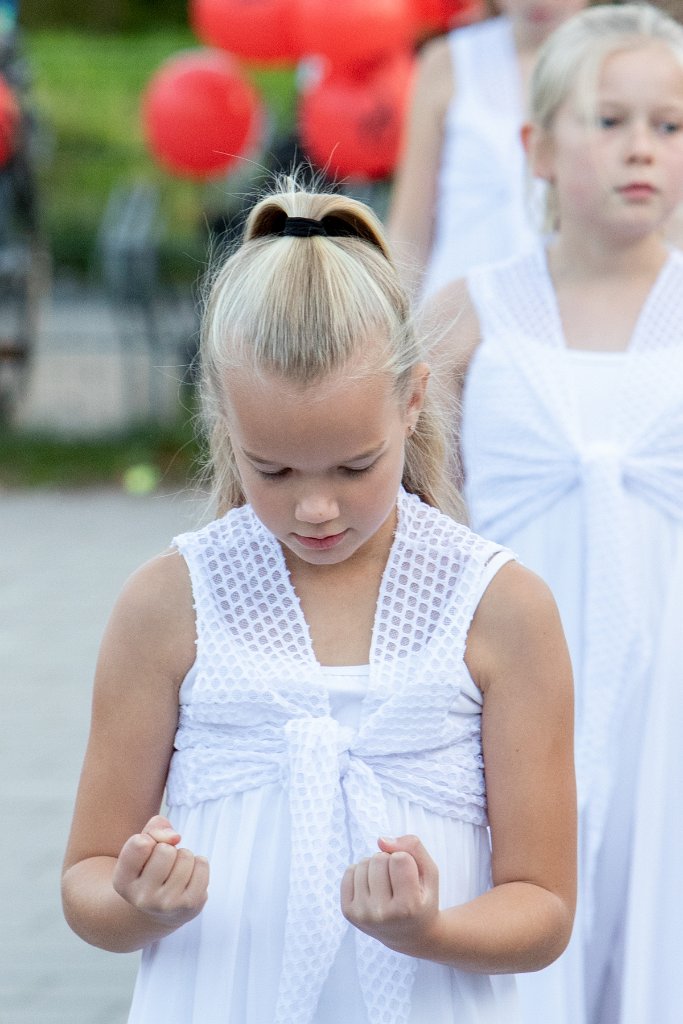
582,177
676,173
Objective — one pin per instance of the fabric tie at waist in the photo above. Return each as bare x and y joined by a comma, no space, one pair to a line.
328,788
617,646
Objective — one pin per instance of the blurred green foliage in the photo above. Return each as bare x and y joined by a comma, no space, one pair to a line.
86,91
43,460
116,15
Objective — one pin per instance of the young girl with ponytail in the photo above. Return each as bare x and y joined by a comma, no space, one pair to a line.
339,687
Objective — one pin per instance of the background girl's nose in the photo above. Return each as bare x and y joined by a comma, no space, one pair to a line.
639,142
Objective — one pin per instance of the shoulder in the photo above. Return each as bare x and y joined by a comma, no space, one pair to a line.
451,323
515,600
434,80
154,614
516,628
435,59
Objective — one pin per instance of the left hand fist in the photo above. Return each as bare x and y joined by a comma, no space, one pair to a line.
394,895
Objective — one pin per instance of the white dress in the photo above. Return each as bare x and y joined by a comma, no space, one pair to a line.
285,771
575,459
486,207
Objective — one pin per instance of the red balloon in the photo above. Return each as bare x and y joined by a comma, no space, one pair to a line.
352,126
347,31
200,114
258,30
9,122
441,15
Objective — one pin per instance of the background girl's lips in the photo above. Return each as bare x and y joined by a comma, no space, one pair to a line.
321,543
638,190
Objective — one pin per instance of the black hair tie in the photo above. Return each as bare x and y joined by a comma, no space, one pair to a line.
302,227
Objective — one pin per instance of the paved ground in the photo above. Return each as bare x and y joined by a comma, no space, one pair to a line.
63,559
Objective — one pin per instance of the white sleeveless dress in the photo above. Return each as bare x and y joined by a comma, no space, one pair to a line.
485,205
575,459
285,772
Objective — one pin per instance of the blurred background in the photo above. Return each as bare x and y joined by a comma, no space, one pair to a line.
134,135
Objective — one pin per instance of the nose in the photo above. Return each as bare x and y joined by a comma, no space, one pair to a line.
316,506
639,143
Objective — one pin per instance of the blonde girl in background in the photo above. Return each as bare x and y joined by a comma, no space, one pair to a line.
572,453
318,678
460,196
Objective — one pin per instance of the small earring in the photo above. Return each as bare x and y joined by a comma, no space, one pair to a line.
411,429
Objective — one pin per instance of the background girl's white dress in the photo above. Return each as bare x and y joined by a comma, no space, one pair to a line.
485,205
575,460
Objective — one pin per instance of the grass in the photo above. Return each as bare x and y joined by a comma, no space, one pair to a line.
86,91
39,460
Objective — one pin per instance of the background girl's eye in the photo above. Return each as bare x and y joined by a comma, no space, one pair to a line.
607,121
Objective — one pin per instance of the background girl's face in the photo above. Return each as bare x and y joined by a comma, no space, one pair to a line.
321,464
622,170
538,18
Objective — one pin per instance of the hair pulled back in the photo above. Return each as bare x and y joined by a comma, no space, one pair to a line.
572,57
303,308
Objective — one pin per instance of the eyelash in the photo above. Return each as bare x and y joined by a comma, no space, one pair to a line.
345,470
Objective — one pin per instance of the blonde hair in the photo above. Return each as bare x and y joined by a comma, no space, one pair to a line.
572,58
302,308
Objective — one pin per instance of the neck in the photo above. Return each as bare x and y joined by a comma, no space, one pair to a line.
580,256
528,39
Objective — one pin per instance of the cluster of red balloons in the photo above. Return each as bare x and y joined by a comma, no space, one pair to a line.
9,122
201,114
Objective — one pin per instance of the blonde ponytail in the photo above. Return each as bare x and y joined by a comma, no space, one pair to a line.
301,308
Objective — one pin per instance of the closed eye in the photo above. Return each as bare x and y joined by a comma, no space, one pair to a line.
277,475
348,471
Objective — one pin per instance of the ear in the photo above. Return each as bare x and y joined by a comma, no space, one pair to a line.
538,146
416,397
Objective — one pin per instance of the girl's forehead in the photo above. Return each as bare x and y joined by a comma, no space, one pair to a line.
640,52
365,369
316,424
649,61
350,384
641,71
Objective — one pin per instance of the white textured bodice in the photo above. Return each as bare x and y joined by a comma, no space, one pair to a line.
483,209
258,713
526,447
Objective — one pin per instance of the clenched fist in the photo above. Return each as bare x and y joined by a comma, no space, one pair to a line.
159,878
394,895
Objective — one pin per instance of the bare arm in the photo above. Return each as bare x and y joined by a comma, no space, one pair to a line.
518,656
411,214
450,323
125,881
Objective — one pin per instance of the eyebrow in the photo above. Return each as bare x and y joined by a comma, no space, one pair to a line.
370,453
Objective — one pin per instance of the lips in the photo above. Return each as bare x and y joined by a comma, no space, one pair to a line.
638,190
321,543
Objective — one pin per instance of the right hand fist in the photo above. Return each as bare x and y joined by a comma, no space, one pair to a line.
159,878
